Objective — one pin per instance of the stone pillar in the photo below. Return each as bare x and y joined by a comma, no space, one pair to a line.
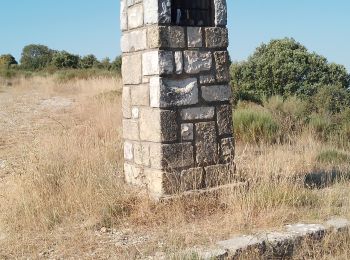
177,116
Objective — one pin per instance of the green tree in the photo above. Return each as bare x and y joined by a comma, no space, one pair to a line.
65,60
106,63
7,60
285,67
88,61
36,56
116,65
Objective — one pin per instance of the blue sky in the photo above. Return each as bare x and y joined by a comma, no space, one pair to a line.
92,26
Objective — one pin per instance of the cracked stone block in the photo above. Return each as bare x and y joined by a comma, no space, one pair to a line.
133,174
172,92
220,12
216,93
206,144
134,41
179,62
216,37
187,132
166,37
197,113
227,150
224,120
177,155
221,63
135,16
128,151
158,125
131,69
142,153
219,174
131,129
194,37
186,180
197,61
157,63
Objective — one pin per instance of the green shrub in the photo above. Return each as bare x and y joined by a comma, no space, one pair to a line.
255,125
333,157
320,125
331,99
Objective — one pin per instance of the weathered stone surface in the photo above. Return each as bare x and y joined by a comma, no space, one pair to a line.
216,37
130,129
126,102
157,63
133,2
224,117
186,180
165,11
197,113
197,61
206,144
227,150
128,151
135,16
216,93
151,11
154,182
178,62
133,174
194,37
142,153
158,125
166,37
221,63
220,12
207,79
140,95
134,41
131,69
187,132
219,174
135,113
167,92
123,15
177,156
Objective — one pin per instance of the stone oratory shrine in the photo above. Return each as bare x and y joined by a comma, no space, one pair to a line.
177,115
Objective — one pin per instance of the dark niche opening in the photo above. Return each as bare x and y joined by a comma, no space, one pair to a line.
192,12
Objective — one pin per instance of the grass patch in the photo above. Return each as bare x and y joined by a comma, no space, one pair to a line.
333,157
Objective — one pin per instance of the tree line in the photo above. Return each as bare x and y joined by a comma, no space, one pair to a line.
37,57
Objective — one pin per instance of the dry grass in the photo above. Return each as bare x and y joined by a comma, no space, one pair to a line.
62,194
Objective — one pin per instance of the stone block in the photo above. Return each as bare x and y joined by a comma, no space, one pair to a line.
140,95
142,153
166,37
133,174
157,63
134,41
131,129
135,16
187,133
220,12
216,93
151,11
177,182
158,125
206,144
133,2
154,181
128,151
224,118
207,79
221,63
197,113
220,174
197,61
216,37
171,92
176,156
194,37
179,61
164,11
227,150
135,113
131,69
123,15
126,102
